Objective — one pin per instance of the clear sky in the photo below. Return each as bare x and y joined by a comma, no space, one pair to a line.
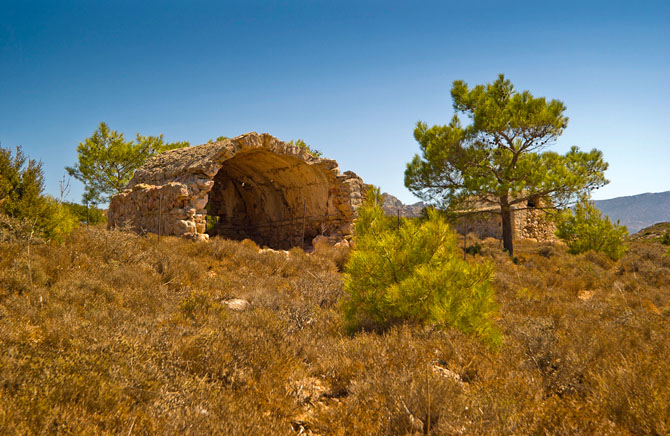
352,78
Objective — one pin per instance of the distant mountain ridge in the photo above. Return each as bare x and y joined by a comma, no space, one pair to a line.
637,211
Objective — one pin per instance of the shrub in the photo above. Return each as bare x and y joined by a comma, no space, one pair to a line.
21,185
12,229
111,332
93,216
21,198
474,249
338,254
414,272
57,222
211,221
665,240
305,146
586,230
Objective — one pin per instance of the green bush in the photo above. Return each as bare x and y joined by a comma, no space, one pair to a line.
302,144
473,249
665,240
414,273
95,215
57,222
21,198
585,230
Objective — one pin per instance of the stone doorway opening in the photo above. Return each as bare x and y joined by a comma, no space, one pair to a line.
277,201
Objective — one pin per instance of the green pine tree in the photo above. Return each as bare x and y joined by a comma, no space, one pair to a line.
414,272
499,159
22,198
107,162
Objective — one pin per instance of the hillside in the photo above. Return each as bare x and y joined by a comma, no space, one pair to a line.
656,233
637,211
112,333
393,207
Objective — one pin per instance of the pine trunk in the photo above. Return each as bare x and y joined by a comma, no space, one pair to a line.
507,234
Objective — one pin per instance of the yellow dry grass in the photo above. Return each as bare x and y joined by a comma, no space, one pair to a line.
111,333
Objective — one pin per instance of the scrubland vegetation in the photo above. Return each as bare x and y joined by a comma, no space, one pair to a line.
22,202
585,229
112,333
107,332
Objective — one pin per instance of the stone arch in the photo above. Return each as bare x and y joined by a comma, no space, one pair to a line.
257,186
267,197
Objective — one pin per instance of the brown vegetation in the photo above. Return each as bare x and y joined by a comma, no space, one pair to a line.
112,333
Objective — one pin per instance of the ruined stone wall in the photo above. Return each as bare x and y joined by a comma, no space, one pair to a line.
534,225
484,225
529,224
255,185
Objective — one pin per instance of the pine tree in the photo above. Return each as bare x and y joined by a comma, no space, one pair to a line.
499,158
414,272
107,162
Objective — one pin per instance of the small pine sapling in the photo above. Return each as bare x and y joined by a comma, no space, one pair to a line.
415,273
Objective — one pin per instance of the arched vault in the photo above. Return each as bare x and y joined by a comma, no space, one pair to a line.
253,186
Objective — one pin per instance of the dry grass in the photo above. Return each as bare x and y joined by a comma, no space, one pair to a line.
112,333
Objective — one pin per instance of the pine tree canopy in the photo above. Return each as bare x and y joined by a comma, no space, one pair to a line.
107,162
500,157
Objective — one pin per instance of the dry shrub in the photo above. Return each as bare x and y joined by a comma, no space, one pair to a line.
250,244
599,259
122,334
13,229
337,253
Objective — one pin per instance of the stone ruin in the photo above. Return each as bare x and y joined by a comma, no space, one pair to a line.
252,186
279,195
529,221
483,219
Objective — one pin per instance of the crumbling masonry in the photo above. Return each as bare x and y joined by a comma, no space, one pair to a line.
252,186
529,221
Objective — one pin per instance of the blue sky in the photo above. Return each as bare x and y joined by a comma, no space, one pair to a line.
350,77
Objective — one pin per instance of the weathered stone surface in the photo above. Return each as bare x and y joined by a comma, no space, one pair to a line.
484,220
236,304
529,222
255,185
319,239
